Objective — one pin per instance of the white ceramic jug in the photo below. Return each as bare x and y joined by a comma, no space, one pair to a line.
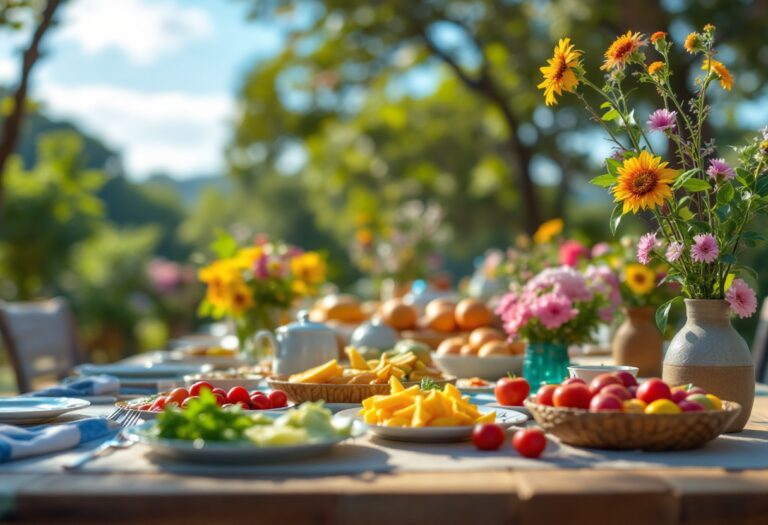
300,345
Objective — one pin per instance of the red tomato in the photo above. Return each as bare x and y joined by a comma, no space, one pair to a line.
260,403
573,381
529,442
575,395
602,402
186,401
652,390
145,406
277,399
220,400
178,395
603,380
618,391
626,378
238,393
488,436
159,403
544,394
219,391
511,391
194,390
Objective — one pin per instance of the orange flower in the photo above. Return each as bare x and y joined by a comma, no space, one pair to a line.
709,28
617,55
692,43
658,35
655,67
719,69
559,74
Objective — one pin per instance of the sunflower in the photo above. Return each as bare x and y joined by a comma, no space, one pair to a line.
559,74
240,298
692,43
640,279
655,67
617,55
719,69
548,230
643,182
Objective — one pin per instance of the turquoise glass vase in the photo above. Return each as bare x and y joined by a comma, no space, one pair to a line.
545,363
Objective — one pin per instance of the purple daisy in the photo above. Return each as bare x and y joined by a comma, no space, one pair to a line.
704,248
662,119
718,168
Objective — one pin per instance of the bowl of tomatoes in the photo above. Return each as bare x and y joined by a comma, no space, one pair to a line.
614,412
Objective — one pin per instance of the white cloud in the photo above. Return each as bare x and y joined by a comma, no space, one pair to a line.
174,132
142,29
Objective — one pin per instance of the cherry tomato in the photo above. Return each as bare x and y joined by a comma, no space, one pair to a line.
238,393
194,390
219,391
220,400
544,394
511,391
573,381
145,406
260,403
617,390
575,395
626,378
178,395
186,401
277,399
603,402
652,390
159,403
603,380
488,436
529,442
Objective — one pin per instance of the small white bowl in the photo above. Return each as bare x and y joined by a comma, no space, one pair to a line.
589,372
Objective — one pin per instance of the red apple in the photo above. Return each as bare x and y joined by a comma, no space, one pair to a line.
573,381
602,381
652,390
618,391
626,378
679,395
603,402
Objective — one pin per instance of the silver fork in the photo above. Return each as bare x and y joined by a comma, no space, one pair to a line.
124,418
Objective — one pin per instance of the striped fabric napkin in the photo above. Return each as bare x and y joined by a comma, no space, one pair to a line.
17,442
101,385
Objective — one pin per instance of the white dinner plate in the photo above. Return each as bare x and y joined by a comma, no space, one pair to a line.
233,452
504,418
150,370
33,410
521,409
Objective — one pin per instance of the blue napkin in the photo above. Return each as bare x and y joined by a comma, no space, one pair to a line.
17,442
101,385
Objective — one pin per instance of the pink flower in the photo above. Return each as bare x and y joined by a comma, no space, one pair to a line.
563,280
571,251
553,310
645,246
674,251
718,168
742,298
662,119
600,249
261,267
606,314
704,248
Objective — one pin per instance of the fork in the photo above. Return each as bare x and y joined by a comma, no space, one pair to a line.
125,419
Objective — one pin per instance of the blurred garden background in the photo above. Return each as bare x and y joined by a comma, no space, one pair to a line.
402,138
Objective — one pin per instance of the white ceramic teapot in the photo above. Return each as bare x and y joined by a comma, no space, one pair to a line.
299,345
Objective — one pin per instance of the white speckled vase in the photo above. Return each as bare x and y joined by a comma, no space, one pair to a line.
710,353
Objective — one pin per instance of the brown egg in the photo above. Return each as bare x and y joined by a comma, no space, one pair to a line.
471,314
493,348
451,346
437,306
480,336
441,321
467,350
398,315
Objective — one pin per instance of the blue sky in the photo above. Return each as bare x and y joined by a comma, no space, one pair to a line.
156,79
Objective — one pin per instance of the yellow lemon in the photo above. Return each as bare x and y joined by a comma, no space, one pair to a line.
662,406
716,403
634,406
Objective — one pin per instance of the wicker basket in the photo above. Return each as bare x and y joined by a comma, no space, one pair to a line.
624,431
300,392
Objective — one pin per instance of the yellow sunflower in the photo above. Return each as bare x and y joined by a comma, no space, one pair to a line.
655,67
617,55
240,298
548,231
719,69
559,74
644,182
640,279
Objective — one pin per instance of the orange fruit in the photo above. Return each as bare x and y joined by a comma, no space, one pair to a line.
471,314
493,348
442,321
480,336
467,350
451,346
398,315
437,306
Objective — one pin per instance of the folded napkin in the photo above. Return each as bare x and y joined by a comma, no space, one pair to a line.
17,442
101,385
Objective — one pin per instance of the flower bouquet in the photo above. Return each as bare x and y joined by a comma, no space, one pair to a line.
701,208
254,285
558,307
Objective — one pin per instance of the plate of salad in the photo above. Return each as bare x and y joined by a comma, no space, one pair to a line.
204,432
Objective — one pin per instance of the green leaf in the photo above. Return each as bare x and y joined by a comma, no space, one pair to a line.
742,176
605,180
225,245
728,258
726,194
662,313
606,105
762,186
611,115
753,238
616,216
685,213
693,184
746,269
683,177
612,165
698,226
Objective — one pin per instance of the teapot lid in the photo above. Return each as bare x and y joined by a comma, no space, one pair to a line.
303,324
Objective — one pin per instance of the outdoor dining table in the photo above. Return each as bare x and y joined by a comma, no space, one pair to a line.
687,494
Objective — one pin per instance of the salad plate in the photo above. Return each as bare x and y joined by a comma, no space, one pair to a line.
33,410
238,452
504,418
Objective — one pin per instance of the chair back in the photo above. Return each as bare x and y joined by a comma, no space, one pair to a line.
760,345
41,338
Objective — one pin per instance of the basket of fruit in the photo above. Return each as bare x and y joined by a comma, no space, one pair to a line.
613,412
334,383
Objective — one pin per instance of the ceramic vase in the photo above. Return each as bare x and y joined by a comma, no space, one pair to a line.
708,352
637,342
